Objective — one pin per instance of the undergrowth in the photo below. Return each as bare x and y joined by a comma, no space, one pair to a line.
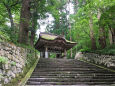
110,50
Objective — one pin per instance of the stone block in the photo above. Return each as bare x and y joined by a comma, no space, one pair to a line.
13,75
9,73
14,69
6,80
78,55
1,72
6,66
19,70
18,65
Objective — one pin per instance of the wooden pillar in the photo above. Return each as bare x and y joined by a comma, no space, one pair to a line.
65,54
71,53
46,52
41,54
58,55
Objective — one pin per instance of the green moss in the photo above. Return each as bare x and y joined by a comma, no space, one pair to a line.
1,76
4,36
16,80
21,79
13,63
24,80
3,60
69,41
48,37
98,65
51,37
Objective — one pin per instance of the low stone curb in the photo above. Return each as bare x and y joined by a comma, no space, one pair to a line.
27,76
98,66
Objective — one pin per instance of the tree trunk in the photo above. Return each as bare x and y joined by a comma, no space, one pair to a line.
10,17
113,35
24,22
102,35
110,38
32,38
92,37
76,6
33,31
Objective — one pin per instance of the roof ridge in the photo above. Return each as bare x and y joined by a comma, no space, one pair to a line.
48,33
52,34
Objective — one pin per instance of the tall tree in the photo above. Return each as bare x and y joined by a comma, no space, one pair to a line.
38,11
92,36
9,5
59,12
24,22
102,35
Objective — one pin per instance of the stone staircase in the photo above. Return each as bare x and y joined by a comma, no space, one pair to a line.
69,72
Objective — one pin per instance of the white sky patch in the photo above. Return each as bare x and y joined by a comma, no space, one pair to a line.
8,23
70,8
44,22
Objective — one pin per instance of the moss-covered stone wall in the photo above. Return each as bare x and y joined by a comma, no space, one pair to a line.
12,61
106,60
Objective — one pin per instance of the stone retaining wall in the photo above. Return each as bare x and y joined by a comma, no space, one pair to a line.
16,58
106,60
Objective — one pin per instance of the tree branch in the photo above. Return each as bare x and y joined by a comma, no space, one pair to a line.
4,4
17,2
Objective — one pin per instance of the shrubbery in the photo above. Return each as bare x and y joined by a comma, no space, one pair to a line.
3,60
110,50
4,36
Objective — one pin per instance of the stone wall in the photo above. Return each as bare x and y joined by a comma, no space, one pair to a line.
106,60
16,58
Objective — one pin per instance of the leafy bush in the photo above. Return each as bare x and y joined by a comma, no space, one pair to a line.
4,36
30,59
7,34
85,50
13,63
52,55
106,51
3,60
110,50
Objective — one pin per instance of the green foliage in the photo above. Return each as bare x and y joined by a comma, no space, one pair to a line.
81,29
85,50
13,63
4,36
110,50
52,55
3,60
59,12
31,58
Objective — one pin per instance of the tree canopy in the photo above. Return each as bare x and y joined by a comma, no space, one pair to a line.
92,25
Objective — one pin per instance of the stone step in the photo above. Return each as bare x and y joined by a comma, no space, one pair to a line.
74,64
70,83
62,66
69,72
69,69
77,71
68,66
75,79
71,76
60,61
